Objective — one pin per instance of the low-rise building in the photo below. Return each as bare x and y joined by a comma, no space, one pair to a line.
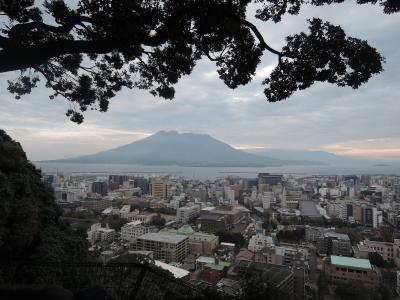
388,251
281,277
214,272
259,241
199,242
341,270
96,204
166,247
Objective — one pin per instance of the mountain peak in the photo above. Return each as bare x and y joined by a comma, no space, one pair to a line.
173,148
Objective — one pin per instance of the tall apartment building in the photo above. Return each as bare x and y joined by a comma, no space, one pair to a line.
143,184
159,189
291,197
100,187
167,247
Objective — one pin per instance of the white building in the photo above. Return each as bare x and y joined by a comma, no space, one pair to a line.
132,230
267,198
259,241
185,213
69,194
398,283
337,210
100,234
229,195
125,211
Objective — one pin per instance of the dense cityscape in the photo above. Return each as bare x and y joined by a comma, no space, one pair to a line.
305,235
199,150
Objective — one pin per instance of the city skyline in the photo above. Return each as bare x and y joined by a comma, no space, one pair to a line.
343,121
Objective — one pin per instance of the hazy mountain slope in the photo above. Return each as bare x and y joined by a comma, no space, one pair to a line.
168,148
316,156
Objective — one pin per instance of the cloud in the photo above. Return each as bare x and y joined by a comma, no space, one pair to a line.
361,122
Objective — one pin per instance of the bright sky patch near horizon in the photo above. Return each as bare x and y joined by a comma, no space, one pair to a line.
361,123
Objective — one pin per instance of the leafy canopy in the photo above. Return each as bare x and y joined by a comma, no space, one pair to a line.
89,51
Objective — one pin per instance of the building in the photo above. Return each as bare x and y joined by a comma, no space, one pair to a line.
186,213
314,233
201,261
132,230
388,251
342,270
97,233
199,242
269,179
159,189
69,194
396,189
214,272
259,241
142,183
398,282
223,217
96,204
337,210
142,217
291,197
166,247
177,272
285,256
280,276
100,187
334,243
309,210
371,217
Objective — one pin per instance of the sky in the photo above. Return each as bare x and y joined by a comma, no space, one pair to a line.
359,123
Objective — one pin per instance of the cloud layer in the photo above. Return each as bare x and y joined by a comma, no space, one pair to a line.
363,122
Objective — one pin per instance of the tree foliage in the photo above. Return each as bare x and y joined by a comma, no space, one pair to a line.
29,219
236,238
89,51
291,235
114,222
158,221
376,259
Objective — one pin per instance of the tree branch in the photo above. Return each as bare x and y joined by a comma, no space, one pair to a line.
21,28
260,38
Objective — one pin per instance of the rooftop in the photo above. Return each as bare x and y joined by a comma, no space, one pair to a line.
185,229
351,262
275,274
220,266
164,238
340,236
177,272
308,209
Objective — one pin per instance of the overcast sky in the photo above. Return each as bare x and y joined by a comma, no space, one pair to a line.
363,122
